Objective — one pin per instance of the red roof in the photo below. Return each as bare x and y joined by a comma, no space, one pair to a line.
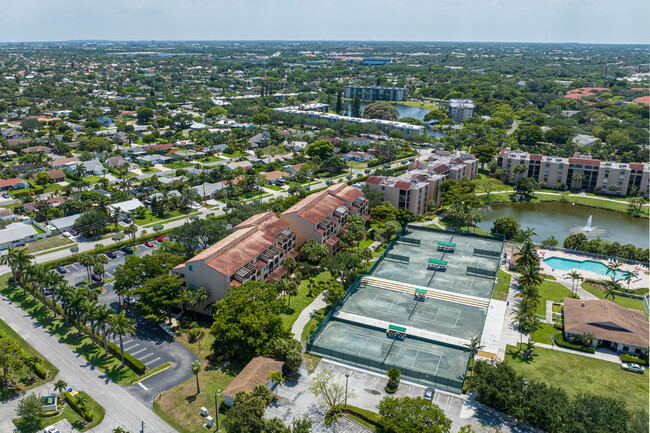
535,157
644,100
11,182
162,146
636,166
584,161
315,207
374,180
440,169
402,185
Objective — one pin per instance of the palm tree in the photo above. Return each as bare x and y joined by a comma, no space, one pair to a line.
196,369
75,305
578,179
613,268
574,275
191,300
22,260
202,295
9,259
103,317
473,347
528,233
628,277
64,292
530,278
121,326
610,290
527,255
292,290
55,280
276,376
80,171
60,386
89,313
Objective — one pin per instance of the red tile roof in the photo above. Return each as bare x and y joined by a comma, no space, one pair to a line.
402,185
644,100
535,157
11,182
584,161
440,169
636,166
373,180
315,207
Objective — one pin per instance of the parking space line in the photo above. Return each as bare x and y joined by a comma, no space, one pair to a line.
146,356
142,386
132,347
139,351
152,361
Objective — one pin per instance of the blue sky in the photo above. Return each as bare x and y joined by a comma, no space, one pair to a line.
586,21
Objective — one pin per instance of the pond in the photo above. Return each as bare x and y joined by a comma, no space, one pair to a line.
408,111
562,219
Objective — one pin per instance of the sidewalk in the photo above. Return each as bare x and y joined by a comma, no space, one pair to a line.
304,317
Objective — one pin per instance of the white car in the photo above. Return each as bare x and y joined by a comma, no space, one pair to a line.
51,429
632,367
66,234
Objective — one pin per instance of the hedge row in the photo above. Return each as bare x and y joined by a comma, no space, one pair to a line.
87,414
561,342
30,191
40,371
625,357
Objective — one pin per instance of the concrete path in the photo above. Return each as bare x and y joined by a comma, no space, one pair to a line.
549,312
602,354
304,317
122,409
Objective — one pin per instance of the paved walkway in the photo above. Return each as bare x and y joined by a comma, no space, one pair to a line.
304,316
122,409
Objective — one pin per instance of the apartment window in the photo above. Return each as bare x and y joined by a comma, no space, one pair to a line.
191,268
626,348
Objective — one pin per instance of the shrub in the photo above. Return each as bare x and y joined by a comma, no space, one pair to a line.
194,334
626,357
40,371
561,342
72,401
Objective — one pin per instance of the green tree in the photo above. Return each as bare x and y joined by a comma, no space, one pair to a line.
30,409
313,251
11,358
507,226
144,115
320,148
60,386
91,223
355,111
412,415
42,179
159,295
329,390
196,369
121,326
473,347
380,110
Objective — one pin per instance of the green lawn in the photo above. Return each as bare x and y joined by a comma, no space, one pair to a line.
150,218
300,302
178,164
210,159
51,187
575,373
149,170
23,381
635,304
92,179
110,365
47,243
274,187
550,291
237,154
67,413
502,286
365,243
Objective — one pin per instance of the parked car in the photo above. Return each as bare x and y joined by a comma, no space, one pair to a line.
428,393
74,233
66,235
148,244
160,239
629,366
61,270
130,300
51,429
95,277
5,195
128,250
111,254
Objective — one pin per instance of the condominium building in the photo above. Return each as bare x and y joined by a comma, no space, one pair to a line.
420,184
321,216
254,251
461,109
384,125
377,93
580,172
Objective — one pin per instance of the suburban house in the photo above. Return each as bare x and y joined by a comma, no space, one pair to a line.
321,216
11,133
14,183
358,141
65,224
116,161
257,372
295,146
254,251
160,148
51,201
358,156
54,176
26,168
37,149
105,121
7,215
260,140
207,191
63,162
19,233
92,167
126,207
155,159
274,176
617,328
243,164
294,169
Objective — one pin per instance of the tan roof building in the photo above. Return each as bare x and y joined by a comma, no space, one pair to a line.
257,372
272,176
321,216
53,175
37,149
254,251
619,328
63,162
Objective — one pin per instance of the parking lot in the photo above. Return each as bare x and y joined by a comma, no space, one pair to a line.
150,343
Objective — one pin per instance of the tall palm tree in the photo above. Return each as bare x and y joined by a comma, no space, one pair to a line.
578,179
202,295
473,347
55,280
104,316
9,259
574,275
60,386
196,369
610,290
191,300
75,305
64,293
628,277
528,233
613,268
530,278
527,255
89,314
22,260
121,326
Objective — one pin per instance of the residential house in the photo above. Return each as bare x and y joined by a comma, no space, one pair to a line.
65,224
257,372
295,146
207,191
19,141
116,161
11,133
22,169
612,326
232,165
7,215
126,207
54,176
155,159
105,121
18,233
321,216
260,140
217,148
254,251
274,176
51,201
63,162
358,156
358,141
294,169
92,167
12,184
37,149
160,148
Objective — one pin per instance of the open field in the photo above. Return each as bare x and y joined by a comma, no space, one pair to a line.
46,244
502,287
300,302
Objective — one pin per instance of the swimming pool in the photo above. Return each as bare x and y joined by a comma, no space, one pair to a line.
585,265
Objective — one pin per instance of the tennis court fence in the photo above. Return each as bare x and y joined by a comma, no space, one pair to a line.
411,241
486,253
472,270
398,258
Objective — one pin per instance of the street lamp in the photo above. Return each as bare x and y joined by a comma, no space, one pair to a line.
525,385
216,407
347,377
309,173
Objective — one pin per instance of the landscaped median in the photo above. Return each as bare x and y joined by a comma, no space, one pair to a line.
81,343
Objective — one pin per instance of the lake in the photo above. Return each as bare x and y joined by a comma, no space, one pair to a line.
408,111
557,219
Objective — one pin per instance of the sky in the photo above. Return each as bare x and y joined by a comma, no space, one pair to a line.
582,21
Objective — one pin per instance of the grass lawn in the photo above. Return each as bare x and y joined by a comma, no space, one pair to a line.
575,373
635,304
150,218
300,302
502,286
92,179
178,164
274,187
210,159
358,165
149,170
46,244
110,365
180,406
550,291
67,413
51,187
365,243
237,154
23,381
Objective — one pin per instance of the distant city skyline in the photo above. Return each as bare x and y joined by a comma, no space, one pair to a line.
552,21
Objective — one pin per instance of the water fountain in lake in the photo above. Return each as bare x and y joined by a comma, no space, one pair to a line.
589,230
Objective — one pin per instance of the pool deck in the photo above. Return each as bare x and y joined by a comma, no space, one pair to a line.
641,280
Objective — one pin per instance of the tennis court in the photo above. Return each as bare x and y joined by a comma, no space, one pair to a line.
424,361
448,318
470,269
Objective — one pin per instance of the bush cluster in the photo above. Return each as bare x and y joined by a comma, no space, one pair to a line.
85,413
